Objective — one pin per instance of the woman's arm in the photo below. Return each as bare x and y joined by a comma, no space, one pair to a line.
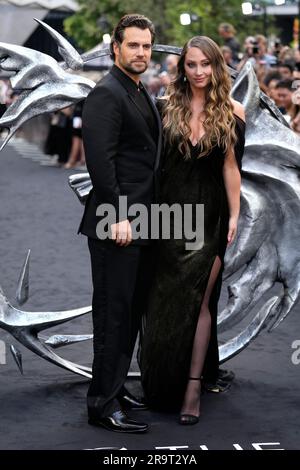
238,109
232,181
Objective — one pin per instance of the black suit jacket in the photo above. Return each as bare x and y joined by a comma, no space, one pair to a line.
122,155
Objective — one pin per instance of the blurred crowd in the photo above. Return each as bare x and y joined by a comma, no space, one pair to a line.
64,138
277,68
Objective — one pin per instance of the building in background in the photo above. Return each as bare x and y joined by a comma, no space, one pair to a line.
285,12
18,26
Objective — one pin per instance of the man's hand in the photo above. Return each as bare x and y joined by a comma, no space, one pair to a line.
121,233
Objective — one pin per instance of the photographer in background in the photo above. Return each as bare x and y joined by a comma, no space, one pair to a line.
248,52
260,51
256,51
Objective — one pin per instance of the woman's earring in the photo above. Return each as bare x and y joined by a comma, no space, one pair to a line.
184,78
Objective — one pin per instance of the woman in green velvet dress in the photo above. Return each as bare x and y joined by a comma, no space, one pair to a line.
204,139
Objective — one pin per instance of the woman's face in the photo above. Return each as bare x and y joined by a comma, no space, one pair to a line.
197,68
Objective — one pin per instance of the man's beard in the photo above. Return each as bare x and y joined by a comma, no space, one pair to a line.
130,69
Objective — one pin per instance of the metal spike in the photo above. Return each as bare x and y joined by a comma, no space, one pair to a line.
22,293
57,341
7,138
17,355
66,50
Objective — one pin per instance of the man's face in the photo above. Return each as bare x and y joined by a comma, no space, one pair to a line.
285,72
262,47
171,64
296,123
284,97
223,33
227,56
272,91
134,53
296,75
296,93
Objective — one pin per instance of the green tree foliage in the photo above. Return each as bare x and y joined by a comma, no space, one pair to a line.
97,17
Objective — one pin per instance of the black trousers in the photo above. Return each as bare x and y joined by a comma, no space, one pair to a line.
121,280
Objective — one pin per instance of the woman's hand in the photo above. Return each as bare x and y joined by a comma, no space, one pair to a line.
232,229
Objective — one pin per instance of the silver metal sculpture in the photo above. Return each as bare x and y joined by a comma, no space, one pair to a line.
22,293
267,243
43,84
16,354
265,250
24,326
57,341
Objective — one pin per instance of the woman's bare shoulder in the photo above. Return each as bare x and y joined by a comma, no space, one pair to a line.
238,109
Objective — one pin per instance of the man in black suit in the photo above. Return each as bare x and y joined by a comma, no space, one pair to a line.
122,140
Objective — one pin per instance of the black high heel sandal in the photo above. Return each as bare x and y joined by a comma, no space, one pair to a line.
186,418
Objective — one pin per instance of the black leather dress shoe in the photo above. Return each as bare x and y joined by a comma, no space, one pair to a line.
118,422
188,419
128,401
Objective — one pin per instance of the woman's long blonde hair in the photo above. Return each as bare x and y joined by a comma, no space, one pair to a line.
219,123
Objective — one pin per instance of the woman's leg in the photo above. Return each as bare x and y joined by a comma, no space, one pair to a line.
82,154
75,151
191,402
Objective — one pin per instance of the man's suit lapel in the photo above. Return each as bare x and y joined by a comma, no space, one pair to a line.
124,82
132,97
129,87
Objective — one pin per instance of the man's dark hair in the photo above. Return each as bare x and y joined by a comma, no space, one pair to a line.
128,21
287,83
273,75
287,65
